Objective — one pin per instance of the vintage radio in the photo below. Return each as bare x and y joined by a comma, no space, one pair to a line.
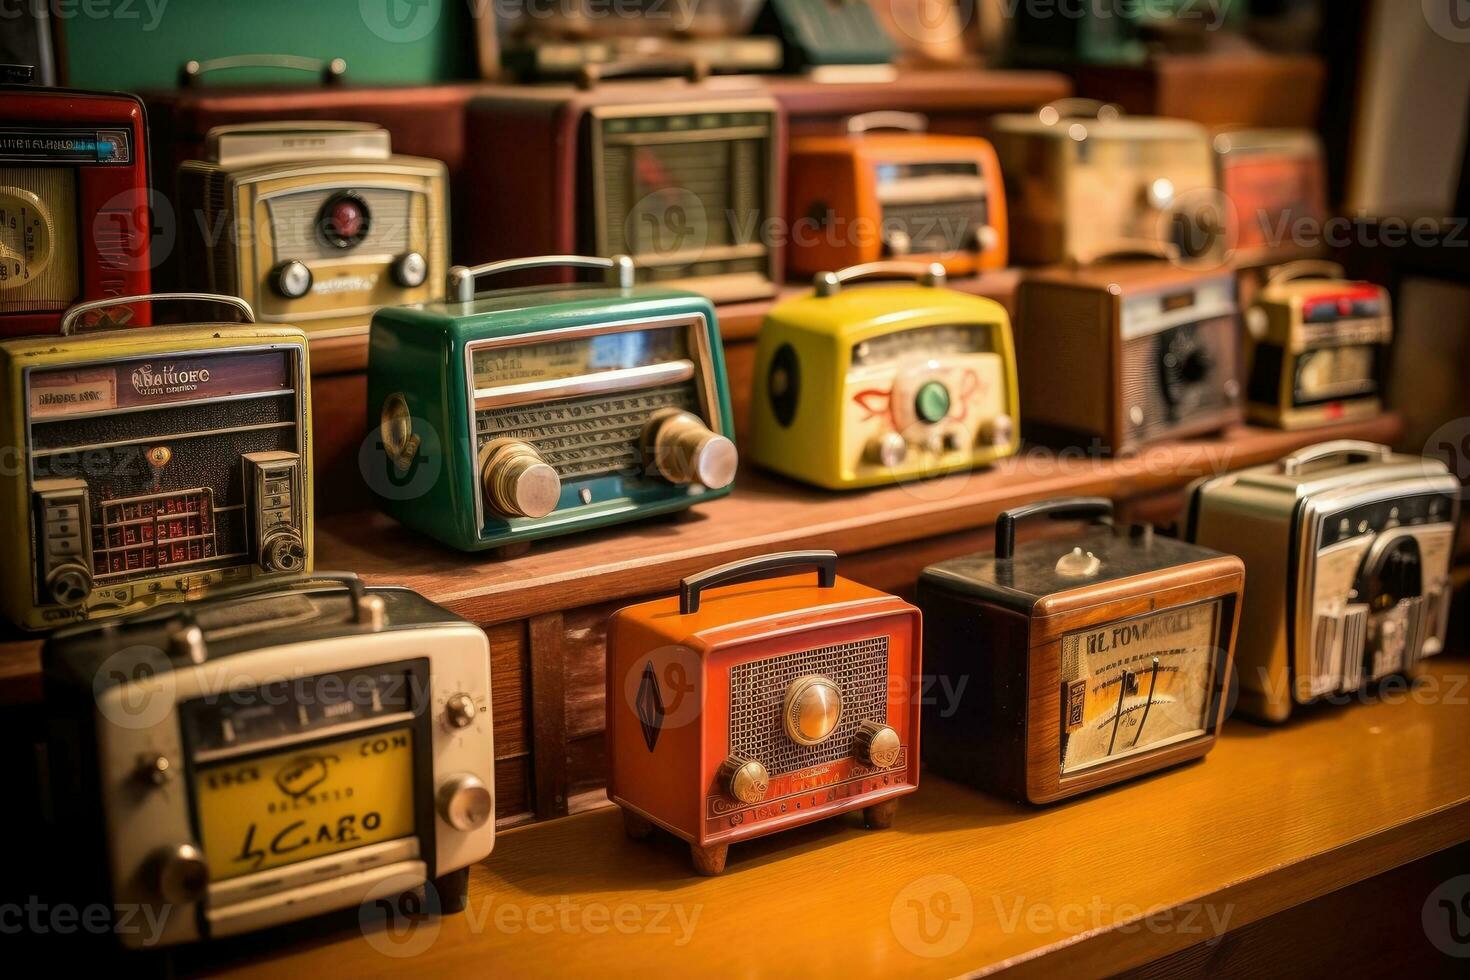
855,387
153,465
1349,547
1066,652
735,711
685,178
1274,180
908,194
249,760
1115,356
1315,345
521,414
314,223
830,41
74,214
1080,188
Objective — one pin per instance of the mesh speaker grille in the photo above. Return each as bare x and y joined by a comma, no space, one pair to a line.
758,691
1142,385
947,226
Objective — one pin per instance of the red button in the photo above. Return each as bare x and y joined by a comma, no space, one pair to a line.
347,219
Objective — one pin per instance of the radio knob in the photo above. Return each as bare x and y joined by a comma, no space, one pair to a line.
291,279
889,449
876,744
518,482
898,242
686,451
931,403
987,239
69,585
410,270
465,802
998,431
283,551
746,781
153,770
460,710
1160,193
181,874
811,710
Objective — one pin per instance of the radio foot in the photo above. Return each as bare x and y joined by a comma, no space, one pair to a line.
453,890
709,860
879,816
506,552
635,826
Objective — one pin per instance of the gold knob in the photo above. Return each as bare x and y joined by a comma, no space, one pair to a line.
997,431
745,780
813,706
877,744
684,450
517,481
888,449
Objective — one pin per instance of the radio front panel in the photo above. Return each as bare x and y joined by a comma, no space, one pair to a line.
934,207
1178,370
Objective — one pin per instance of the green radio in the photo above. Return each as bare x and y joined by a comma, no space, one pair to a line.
517,414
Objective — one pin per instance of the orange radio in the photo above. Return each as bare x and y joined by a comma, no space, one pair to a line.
752,704
909,194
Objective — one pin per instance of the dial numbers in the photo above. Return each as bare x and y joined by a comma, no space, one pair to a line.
25,237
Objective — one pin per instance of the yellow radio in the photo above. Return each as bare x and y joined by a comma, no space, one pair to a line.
857,387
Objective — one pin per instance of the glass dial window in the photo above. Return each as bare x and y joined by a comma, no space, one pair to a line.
922,342
554,359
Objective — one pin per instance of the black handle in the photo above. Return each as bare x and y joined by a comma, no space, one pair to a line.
1099,508
763,566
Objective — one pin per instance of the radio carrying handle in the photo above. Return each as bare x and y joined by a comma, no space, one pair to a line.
1303,269
461,286
69,321
1097,509
1075,108
331,70
926,274
1347,450
672,64
909,122
750,569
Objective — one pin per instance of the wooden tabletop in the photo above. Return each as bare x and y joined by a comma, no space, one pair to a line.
962,882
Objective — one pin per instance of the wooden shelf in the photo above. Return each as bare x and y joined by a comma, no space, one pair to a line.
1273,818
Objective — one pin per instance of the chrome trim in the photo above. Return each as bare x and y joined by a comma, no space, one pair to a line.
68,321
585,384
283,741
258,427
186,403
461,285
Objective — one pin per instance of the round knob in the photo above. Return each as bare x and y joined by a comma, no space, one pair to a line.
987,239
876,744
1257,321
745,780
998,431
1078,564
518,482
283,551
410,270
1160,193
931,403
291,279
344,220
153,770
889,449
898,242
811,710
181,875
465,802
69,585
684,450
460,709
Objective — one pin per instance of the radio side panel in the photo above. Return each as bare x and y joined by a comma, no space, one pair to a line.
830,205
808,444
1066,356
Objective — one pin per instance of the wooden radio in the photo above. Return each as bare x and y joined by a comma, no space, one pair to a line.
1274,180
1349,547
856,387
1315,344
683,177
1074,649
738,710
249,760
1081,188
314,223
155,464
1150,351
74,211
910,194
523,413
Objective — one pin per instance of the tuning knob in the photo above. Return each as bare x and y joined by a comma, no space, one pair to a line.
283,551
518,482
997,431
181,874
465,802
745,780
876,744
684,450
987,239
811,710
460,710
291,279
888,449
409,270
69,585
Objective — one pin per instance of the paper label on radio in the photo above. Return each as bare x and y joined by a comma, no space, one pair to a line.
69,393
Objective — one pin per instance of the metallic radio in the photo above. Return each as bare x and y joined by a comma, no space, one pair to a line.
519,414
1073,650
686,178
1080,188
736,713
855,387
869,195
1348,546
1148,351
74,217
1274,180
315,223
157,464
1315,344
246,761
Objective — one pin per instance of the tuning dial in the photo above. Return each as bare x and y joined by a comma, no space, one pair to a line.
181,875
876,744
465,802
744,780
684,450
69,585
518,482
460,710
811,710
931,402
283,551
291,279
409,270
888,449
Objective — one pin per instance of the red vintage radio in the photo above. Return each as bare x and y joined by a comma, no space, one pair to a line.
757,701
74,217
